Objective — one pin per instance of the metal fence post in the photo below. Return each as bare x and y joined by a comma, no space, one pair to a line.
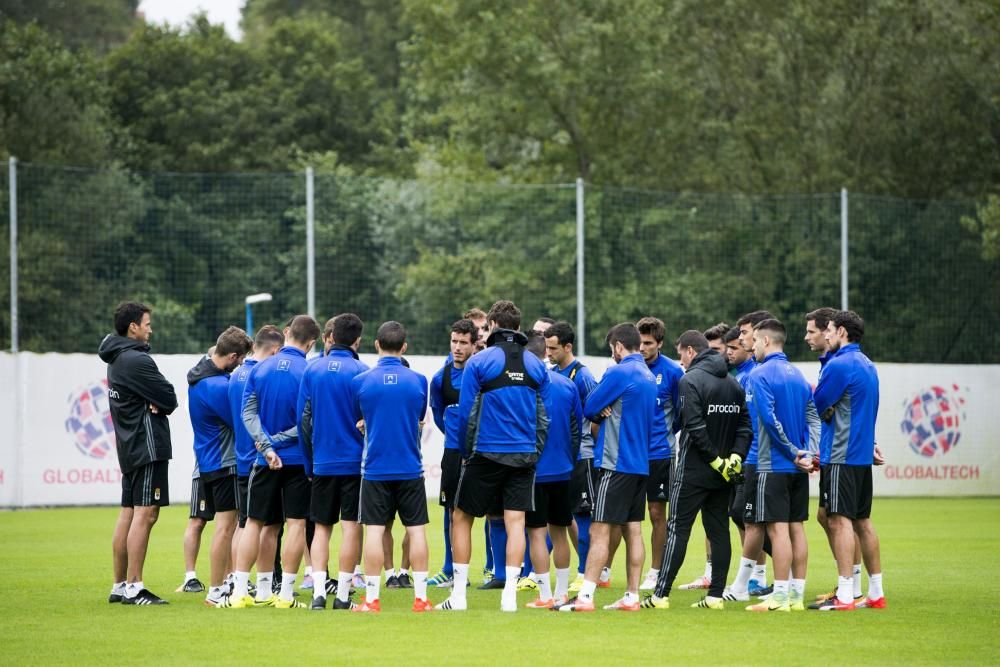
310,245
12,172
581,332
843,248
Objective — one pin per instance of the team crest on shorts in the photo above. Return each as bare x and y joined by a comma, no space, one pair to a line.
156,493
201,505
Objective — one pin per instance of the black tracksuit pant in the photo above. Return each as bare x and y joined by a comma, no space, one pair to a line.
686,500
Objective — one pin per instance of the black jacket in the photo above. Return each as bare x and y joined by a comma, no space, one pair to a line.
135,383
714,419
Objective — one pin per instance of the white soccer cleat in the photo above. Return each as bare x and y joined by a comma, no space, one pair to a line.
649,583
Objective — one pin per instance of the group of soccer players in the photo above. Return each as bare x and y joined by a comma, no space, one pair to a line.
288,446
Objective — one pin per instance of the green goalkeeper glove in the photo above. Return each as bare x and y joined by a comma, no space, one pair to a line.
719,466
734,469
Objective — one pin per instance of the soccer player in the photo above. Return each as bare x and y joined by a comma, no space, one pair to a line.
140,399
444,393
542,325
215,445
847,398
667,373
787,439
502,427
552,514
333,447
623,403
392,400
278,486
716,337
478,317
816,324
714,438
266,344
200,513
559,341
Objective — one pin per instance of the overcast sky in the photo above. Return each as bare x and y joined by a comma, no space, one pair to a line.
177,12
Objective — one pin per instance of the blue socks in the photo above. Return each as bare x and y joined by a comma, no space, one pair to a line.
583,538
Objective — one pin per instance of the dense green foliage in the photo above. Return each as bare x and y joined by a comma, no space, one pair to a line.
397,103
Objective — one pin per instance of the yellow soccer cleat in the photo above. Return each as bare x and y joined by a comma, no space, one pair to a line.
230,602
281,603
653,602
709,603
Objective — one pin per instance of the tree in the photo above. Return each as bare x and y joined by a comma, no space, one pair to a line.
96,24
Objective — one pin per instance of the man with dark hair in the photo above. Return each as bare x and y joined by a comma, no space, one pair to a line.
542,325
715,335
667,374
746,325
279,487
502,427
333,447
552,515
215,444
445,389
787,440
559,341
392,401
623,403
847,398
751,574
266,344
714,438
140,399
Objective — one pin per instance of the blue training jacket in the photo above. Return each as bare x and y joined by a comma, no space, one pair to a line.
246,453
500,411
439,406
743,377
785,413
562,441
847,398
393,401
327,415
211,420
667,373
269,405
623,440
825,428
585,383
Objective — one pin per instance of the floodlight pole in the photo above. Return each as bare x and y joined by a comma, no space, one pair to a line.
581,336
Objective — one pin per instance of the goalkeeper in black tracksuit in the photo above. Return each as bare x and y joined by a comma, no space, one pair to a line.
716,433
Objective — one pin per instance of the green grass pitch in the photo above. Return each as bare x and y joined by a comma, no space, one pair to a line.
940,558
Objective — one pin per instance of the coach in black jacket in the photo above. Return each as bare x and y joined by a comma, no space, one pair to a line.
140,399
716,433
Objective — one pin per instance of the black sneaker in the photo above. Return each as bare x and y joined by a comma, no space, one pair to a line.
144,597
115,598
193,586
331,587
493,584
318,604
404,581
392,582
346,604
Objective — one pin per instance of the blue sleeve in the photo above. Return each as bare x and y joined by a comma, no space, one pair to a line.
767,416
251,416
467,398
576,428
437,398
813,429
303,417
832,384
611,386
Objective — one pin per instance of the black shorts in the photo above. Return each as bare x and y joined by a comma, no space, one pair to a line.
581,486
276,495
146,486
551,505
737,504
202,506
451,468
241,499
335,497
222,492
483,481
781,497
847,490
620,498
382,500
749,493
658,482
